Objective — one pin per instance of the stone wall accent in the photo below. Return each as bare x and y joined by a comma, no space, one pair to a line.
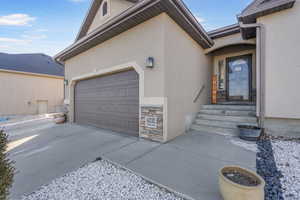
151,124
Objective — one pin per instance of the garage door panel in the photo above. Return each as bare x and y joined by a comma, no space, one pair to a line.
108,123
127,93
130,94
98,106
109,102
91,98
103,114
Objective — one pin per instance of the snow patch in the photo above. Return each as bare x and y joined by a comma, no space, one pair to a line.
246,145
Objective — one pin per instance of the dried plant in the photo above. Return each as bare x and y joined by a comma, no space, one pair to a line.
6,168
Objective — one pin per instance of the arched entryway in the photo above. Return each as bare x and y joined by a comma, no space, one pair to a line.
234,74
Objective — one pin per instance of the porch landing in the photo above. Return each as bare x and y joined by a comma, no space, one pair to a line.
237,103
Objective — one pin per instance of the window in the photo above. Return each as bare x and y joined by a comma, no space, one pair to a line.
221,73
105,8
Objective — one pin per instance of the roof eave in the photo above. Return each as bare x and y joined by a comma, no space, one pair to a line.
224,31
248,18
137,14
92,11
252,16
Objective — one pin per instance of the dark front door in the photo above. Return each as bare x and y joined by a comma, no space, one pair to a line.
239,70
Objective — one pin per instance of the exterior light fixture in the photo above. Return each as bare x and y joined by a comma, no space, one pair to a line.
150,63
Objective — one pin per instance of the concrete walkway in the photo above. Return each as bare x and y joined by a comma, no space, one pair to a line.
188,164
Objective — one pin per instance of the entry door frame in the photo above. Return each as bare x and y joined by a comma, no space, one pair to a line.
229,59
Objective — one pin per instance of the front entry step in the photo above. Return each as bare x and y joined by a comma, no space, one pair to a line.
224,119
241,119
228,112
222,124
229,107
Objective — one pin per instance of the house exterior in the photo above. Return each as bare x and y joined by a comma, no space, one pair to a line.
147,67
30,84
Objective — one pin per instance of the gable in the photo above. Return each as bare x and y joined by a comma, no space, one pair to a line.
139,13
259,8
94,18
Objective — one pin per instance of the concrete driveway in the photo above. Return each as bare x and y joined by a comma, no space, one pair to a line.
188,165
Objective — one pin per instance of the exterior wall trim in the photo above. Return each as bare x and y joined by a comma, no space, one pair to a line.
225,31
155,101
174,8
111,70
94,6
246,42
31,74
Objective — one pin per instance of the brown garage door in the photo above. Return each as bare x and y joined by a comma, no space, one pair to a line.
109,102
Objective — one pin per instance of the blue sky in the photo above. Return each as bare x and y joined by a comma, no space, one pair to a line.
48,26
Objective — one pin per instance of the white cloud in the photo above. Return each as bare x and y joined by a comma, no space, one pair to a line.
77,1
34,36
200,19
14,41
41,30
31,43
207,26
16,20
44,46
4,46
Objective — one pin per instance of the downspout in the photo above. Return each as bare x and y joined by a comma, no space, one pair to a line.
260,65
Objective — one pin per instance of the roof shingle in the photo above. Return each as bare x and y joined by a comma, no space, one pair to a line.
32,63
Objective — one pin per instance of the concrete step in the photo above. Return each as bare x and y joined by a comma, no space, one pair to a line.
239,119
229,107
215,130
228,112
221,124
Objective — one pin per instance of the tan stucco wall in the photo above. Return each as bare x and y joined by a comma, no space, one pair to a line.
129,49
187,70
134,45
115,8
20,93
181,68
282,63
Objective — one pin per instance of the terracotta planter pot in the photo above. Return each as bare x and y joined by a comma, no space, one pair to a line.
231,190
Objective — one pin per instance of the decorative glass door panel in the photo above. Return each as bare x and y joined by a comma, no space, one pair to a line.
239,78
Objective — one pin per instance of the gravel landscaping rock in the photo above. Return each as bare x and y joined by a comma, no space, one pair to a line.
287,158
278,162
101,180
267,169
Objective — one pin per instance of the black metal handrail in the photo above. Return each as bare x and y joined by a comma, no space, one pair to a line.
199,93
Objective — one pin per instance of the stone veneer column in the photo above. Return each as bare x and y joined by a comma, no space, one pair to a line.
151,122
